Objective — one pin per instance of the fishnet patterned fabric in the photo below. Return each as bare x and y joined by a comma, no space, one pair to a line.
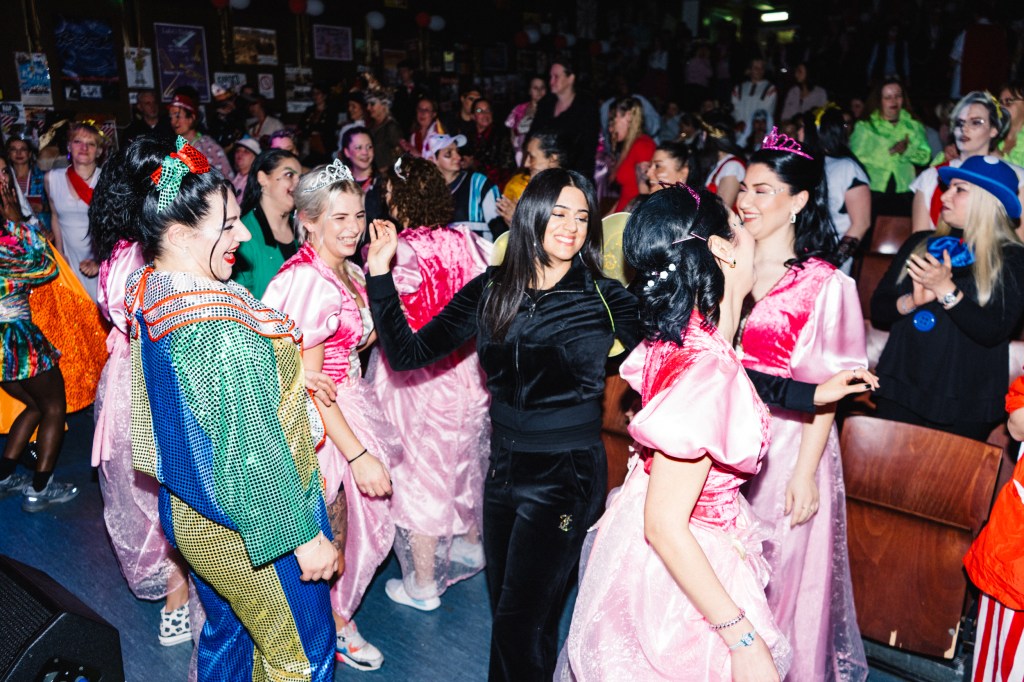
220,379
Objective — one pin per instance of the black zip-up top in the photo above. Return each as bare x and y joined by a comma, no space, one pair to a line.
548,373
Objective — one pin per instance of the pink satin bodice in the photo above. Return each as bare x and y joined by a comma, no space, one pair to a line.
309,292
697,400
808,326
432,264
113,282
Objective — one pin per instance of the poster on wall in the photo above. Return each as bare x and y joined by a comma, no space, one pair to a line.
11,114
298,88
255,46
181,59
138,67
265,83
231,80
332,43
88,58
34,78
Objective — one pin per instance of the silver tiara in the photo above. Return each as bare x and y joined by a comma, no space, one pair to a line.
336,171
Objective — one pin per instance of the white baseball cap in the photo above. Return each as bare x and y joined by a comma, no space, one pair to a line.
436,143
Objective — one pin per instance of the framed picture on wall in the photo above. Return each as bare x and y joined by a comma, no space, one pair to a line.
255,46
181,59
88,58
332,43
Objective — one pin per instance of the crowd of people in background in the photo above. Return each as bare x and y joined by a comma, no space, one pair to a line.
458,233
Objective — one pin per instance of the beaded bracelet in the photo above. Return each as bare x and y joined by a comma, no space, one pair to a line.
729,624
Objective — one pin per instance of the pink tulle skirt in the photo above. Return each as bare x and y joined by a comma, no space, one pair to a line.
441,415
371,530
632,623
810,592
130,507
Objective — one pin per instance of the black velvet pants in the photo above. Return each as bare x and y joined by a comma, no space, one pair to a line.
537,509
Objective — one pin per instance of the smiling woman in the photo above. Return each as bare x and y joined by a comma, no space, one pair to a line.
544,322
255,530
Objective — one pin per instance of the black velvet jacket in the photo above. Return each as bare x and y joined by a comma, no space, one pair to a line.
554,354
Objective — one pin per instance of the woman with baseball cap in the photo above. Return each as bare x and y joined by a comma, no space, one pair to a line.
952,299
476,197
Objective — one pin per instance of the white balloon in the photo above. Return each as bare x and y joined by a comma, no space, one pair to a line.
570,38
437,23
375,20
240,4
314,8
533,34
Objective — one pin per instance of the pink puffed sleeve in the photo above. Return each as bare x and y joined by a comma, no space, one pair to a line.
308,298
833,338
113,282
405,269
711,408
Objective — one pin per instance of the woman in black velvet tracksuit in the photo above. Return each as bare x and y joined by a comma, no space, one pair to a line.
544,322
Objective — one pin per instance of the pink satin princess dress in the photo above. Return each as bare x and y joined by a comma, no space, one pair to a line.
632,622
130,504
808,326
309,292
440,413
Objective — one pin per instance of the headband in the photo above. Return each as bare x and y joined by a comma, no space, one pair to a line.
167,178
998,106
336,171
819,113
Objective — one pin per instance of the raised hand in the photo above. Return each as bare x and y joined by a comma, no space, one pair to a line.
383,245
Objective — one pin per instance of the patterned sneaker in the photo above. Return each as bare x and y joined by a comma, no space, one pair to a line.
395,589
356,652
53,493
174,626
15,483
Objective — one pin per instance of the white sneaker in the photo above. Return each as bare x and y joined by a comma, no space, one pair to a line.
395,589
466,553
354,651
53,493
175,627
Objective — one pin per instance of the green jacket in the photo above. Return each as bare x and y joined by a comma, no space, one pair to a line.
1017,155
871,141
258,259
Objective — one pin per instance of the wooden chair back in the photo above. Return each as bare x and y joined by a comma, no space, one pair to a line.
889,234
873,267
915,500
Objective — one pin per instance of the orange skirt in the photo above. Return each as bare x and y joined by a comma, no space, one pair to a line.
70,320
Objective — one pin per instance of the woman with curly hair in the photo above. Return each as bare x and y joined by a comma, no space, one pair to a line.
806,323
440,410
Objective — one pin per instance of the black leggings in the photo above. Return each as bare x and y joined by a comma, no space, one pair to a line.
537,509
45,408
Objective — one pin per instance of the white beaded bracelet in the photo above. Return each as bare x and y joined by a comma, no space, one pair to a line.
729,624
319,541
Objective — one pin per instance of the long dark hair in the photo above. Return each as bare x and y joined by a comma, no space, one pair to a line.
815,232
655,241
719,135
825,134
114,205
135,206
551,143
267,162
525,245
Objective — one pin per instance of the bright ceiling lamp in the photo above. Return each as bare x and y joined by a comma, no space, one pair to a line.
773,17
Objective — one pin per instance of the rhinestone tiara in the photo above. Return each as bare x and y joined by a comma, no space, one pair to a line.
334,172
783,143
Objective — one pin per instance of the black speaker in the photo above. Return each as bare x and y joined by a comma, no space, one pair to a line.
49,634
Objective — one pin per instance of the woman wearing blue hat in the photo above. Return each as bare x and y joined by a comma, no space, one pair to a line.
952,299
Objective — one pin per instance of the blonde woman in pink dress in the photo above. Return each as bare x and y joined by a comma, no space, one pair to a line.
325,294
440,411
151,567
806,323
674,586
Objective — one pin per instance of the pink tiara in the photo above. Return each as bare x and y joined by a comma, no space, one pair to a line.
783,143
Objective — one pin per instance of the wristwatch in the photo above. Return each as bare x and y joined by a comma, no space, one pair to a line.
950,298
